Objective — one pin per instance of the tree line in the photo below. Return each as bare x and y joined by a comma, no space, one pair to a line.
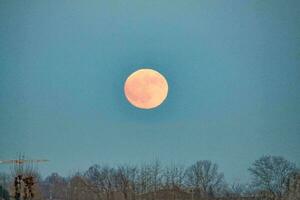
272,178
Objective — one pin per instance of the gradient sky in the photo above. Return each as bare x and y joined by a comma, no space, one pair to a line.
233,69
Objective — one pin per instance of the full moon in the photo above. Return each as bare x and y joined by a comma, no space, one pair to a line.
146,88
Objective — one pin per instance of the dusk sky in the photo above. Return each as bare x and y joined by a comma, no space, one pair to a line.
233,69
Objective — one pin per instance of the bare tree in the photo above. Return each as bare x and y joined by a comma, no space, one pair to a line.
149,178
26,180
173,179
5,180
102,180
4,194
204,178
143,179
237,190
55,187
293,186
78,188
156,175
126,181
271,173
173,176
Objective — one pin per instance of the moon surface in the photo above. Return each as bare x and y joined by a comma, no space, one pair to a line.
146,88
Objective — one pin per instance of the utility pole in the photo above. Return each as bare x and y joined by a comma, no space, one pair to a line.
23,183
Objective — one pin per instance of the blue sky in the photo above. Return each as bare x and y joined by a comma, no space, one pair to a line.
232,67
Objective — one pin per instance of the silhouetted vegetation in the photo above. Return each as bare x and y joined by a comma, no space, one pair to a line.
273,178
4,194
271,175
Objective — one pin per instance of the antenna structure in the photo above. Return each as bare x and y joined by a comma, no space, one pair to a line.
24,176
